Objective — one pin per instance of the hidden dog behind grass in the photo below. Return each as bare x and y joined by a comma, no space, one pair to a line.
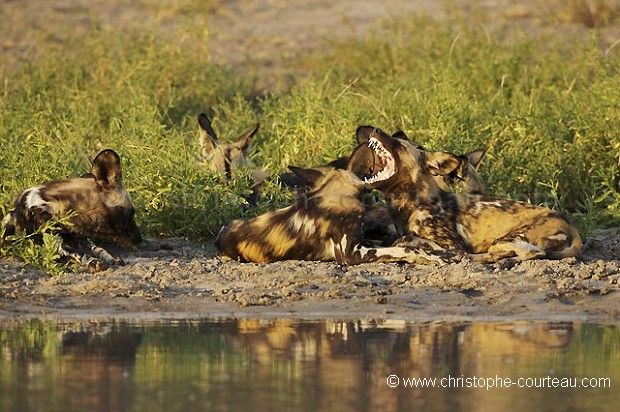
488,228
230,159
325,224
96,206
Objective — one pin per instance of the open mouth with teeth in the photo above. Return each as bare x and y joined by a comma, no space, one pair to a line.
385,160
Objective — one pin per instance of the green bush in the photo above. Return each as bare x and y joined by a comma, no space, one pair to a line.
546,109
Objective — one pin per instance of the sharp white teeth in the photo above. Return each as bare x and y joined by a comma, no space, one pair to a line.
385,157
373,143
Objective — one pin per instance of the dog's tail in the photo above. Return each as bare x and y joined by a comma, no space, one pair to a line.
573,245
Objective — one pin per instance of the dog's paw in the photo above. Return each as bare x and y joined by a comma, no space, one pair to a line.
95,265
118,261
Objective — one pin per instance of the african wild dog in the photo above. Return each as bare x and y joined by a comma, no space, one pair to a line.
230,158
463,179
324,225
364,161
98,207
488,228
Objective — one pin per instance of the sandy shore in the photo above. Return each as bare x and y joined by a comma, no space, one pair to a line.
176,278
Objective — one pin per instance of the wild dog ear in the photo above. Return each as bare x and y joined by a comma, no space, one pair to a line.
400,135
363,160
339,163
362,134
442,163
106,169
474,158
243,142
308,177
208,138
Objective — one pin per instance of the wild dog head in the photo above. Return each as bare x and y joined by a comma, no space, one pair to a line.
464,178
408,176
393,162
226,158
97,203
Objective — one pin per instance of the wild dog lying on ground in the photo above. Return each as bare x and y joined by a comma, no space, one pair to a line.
98,207
324,225
230,158
489,228
364,161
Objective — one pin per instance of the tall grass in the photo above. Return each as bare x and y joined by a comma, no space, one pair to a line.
546,110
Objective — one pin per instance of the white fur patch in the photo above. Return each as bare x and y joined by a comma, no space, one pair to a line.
480,206
344,242
34,199
460,229
6,219
560,236
300,224
522,244
330,248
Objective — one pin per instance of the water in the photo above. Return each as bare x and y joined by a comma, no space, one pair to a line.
279,365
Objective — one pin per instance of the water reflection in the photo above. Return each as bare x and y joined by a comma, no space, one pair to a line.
257,365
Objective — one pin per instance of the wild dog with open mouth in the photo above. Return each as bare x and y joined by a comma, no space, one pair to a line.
102,209
463,179
324,225
489,228
364,161
230,158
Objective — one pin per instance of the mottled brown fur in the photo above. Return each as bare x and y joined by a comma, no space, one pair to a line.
382,225
488,228
325,224
97,204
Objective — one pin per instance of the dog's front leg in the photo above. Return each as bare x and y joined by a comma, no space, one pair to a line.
404,254
72,253
415,242
355,253
101,253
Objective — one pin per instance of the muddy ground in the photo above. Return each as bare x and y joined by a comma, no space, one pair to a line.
172,278
176,278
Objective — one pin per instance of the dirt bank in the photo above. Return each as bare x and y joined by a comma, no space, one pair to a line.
171,278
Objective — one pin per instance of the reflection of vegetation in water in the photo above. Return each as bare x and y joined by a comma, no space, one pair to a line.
163,355
211,356
298,365
27,351
31,341
597,348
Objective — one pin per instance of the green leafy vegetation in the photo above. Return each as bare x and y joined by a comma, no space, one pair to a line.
40,249
546,108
